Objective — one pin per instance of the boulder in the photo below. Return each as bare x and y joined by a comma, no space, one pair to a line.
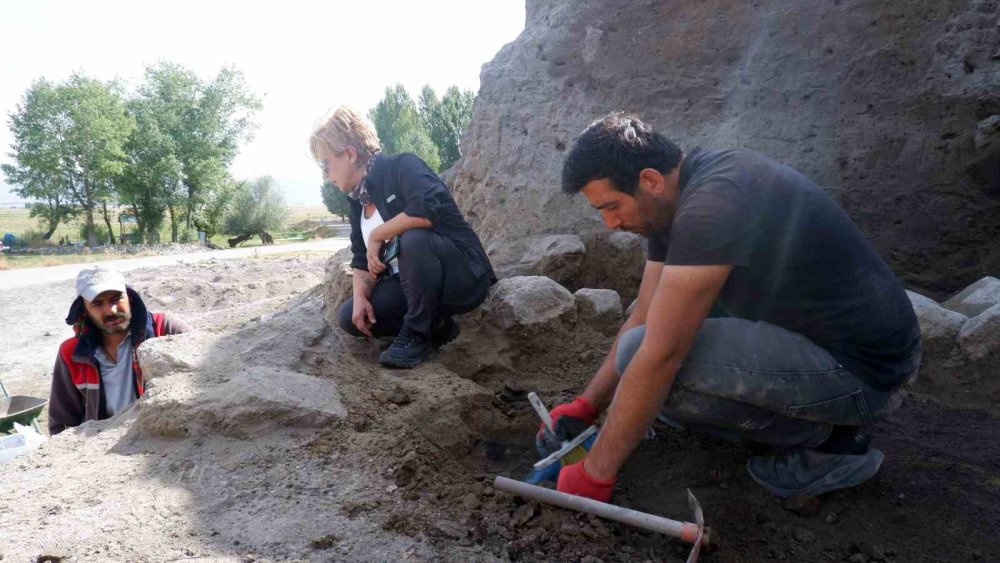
251,402
555,256
601,308
938,326
880,103
979,338
976,298
528,301
614,260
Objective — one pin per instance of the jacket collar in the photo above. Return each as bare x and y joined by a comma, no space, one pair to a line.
89,336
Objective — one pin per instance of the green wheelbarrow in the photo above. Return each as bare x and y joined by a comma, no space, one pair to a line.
19,408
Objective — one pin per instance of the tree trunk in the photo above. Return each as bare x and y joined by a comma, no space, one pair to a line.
174,219
107,221
239,240
91,234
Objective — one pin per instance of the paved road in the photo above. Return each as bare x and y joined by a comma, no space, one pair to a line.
24,277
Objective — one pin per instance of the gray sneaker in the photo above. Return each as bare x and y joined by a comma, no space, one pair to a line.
802,471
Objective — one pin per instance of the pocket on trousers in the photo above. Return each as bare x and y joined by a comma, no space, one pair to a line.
847,409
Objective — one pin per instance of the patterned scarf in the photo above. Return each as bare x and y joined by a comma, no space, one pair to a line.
360,192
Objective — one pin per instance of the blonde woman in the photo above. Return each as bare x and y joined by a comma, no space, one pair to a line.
440,269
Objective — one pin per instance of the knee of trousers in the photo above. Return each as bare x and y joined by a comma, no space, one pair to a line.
344,320
415,242
628,344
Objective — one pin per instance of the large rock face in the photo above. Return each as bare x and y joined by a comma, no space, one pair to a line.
891,106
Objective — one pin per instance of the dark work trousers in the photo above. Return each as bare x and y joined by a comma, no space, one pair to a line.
434,282
757,381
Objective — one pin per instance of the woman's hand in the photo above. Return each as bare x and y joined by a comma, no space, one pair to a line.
375,265
363,315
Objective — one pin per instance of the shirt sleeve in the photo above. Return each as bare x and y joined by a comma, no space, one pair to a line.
172,324
713,226
422,190
656,248
66,406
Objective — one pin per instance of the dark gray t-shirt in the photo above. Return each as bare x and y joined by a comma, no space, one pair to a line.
798,261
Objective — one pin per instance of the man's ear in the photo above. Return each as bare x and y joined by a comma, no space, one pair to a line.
652,182
352,154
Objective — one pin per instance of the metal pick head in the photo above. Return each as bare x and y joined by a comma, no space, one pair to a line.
699,518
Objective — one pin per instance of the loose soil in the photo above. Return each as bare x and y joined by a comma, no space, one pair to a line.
407,472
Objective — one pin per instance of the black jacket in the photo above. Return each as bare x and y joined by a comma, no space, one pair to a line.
404,183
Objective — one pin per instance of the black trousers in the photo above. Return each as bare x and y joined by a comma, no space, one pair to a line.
434,282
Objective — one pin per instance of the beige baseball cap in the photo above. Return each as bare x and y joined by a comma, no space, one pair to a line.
91,282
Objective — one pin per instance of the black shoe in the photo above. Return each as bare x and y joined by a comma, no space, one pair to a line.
448,331
407,351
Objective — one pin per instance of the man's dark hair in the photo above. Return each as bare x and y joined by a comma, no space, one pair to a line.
617,147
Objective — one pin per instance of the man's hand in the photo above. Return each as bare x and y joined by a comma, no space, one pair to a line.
575,480
375,265
363,315
568,421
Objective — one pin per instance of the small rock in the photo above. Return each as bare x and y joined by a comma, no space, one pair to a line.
591,559
858,558
875,553
325,542
803,535
470,501
53,556
523,515
391,488
399,396
832,518
450,530
802,505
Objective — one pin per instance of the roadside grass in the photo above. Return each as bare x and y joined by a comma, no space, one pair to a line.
17,221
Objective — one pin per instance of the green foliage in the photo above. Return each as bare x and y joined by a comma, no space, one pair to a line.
336,201
68,145
202,125
257,206
430,128
446,119
100,232
211,217
400,127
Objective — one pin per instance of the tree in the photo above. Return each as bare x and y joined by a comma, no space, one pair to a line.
151,181
400,128
257,206
211,217
37,172
207,122
69,145
446,119
336,201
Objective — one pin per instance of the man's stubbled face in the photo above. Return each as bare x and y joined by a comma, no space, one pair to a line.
110,312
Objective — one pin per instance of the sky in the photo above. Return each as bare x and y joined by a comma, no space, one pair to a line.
302,58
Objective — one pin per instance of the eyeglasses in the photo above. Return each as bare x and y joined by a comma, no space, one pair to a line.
323,166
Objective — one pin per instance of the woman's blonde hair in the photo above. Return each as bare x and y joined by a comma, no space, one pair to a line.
345,127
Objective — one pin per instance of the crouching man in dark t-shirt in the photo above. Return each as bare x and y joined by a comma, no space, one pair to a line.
819,337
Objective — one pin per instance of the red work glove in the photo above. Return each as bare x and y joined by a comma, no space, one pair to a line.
577,416
575,480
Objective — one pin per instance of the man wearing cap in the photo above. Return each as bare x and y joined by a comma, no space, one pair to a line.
97,374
